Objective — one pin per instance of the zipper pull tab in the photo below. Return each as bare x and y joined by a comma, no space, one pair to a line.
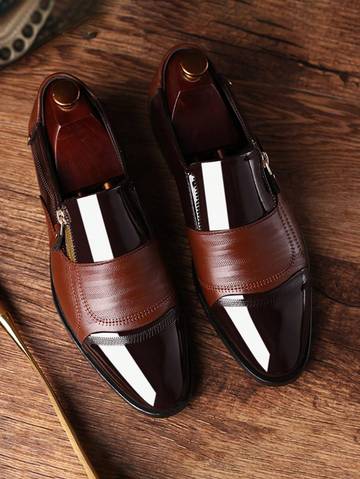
266,162
269,174
62,220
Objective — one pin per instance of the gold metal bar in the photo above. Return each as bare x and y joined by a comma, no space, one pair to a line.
7,322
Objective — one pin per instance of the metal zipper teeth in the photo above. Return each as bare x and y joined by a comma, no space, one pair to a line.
40,168
196,198
42,175
69,243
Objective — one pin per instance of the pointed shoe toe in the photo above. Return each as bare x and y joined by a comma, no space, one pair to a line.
109,282
148,368
250,261
268,333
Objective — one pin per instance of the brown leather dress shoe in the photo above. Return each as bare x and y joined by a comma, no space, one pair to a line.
250,264
109,283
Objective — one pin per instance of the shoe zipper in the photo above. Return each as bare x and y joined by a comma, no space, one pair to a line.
62,219
39,168
266,162
195,199
69,244
61,212
274,186
65,234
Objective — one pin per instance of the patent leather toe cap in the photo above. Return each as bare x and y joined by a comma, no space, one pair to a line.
268,333
150,371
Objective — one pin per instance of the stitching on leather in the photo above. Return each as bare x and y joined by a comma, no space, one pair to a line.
270,298
233,230
249,285
137,337
120,320
293,231
77,309
257,302
116,262
126,319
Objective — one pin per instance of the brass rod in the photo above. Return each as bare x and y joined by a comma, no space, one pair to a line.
7,322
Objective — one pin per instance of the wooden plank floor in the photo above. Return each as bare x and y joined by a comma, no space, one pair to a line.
295,66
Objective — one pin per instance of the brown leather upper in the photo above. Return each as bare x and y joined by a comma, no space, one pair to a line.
249,259
119,295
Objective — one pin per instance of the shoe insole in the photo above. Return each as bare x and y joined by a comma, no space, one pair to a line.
83,151
200,116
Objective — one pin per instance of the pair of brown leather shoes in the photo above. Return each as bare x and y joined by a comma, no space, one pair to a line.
109,282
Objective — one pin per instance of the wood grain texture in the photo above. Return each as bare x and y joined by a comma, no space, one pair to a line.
295,67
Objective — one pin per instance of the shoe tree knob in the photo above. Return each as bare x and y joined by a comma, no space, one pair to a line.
194,64
65,93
